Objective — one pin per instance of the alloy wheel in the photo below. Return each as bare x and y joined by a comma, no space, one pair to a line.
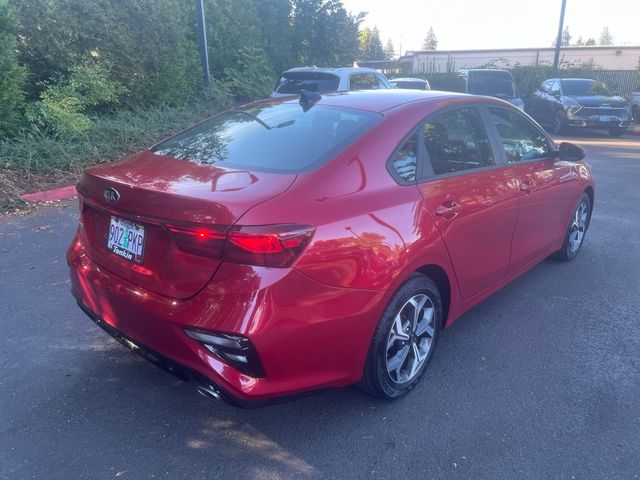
578,227
410,338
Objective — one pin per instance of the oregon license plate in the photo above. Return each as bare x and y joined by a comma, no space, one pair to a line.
126,239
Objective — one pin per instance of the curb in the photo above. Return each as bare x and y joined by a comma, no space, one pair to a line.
63,193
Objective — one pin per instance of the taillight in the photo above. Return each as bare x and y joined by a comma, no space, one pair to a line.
268,245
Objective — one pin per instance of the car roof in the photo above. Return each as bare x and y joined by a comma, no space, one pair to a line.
377,101
330,69
407,79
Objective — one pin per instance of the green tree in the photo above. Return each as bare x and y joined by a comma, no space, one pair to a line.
389,51
589,42
430,41
324,33
579,42
12,75
150,43
605,37
370,44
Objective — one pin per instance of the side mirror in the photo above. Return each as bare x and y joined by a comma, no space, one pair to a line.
571,152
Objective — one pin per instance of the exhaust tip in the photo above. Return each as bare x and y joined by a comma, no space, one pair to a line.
209,392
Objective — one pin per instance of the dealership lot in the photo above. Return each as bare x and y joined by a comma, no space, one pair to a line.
541,380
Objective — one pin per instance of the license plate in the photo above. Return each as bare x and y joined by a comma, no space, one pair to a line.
126,239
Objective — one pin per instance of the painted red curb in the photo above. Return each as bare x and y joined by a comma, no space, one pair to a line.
63,193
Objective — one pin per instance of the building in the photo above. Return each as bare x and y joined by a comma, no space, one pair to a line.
603,57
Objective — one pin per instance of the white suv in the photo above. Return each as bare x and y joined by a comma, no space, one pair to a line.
322,80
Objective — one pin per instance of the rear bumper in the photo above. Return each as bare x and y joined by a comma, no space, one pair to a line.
307,335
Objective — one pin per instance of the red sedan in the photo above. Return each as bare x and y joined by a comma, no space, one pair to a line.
296,244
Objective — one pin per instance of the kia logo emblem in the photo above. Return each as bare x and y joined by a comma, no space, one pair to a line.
111,195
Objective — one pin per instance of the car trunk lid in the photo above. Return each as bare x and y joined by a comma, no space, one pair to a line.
156,193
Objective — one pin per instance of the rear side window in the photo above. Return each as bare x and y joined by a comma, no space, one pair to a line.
521,140
457,141
404,161
293,82
276,137
365,81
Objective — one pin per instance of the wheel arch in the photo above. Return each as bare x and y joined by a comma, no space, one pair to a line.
591,194
441,279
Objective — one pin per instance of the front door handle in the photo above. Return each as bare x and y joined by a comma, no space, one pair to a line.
448,210
528,185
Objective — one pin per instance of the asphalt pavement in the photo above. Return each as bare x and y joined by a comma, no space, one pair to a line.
540,381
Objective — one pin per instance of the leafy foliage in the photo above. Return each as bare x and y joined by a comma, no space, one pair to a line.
370,44
12,75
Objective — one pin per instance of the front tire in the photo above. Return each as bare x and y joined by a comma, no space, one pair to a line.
578,225
404,340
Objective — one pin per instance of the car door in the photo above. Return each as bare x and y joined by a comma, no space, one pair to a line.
471,199
541,180
553,103
537,101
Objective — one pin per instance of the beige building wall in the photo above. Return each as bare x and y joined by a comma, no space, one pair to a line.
607,58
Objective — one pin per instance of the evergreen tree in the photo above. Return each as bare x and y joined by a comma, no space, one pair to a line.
605,37
370,44
430,41
389,50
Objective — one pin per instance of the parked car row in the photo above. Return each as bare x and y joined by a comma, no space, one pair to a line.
558,103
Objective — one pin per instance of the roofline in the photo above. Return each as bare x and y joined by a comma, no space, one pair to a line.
412,53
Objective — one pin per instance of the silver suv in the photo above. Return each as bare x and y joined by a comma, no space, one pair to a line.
322,80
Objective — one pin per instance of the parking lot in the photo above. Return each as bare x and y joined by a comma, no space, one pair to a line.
542,380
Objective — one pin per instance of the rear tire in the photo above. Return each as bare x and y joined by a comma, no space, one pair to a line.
404,340
578,225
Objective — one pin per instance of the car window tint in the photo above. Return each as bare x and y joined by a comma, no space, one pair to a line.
521,140
457,141
276,137
404,161
555,88
363,81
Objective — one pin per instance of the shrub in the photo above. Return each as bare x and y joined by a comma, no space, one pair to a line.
66,107
12,75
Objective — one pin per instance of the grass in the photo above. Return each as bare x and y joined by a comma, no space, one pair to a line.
31,163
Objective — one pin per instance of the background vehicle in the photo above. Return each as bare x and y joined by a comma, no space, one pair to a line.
634,104
321,242
324,80
578,102
490,82
410,83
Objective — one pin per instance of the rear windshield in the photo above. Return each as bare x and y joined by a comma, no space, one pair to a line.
277,137
493,84
293,82
584,88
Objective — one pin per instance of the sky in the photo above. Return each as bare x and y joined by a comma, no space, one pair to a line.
475,24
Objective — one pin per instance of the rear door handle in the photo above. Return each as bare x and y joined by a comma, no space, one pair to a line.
448,210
